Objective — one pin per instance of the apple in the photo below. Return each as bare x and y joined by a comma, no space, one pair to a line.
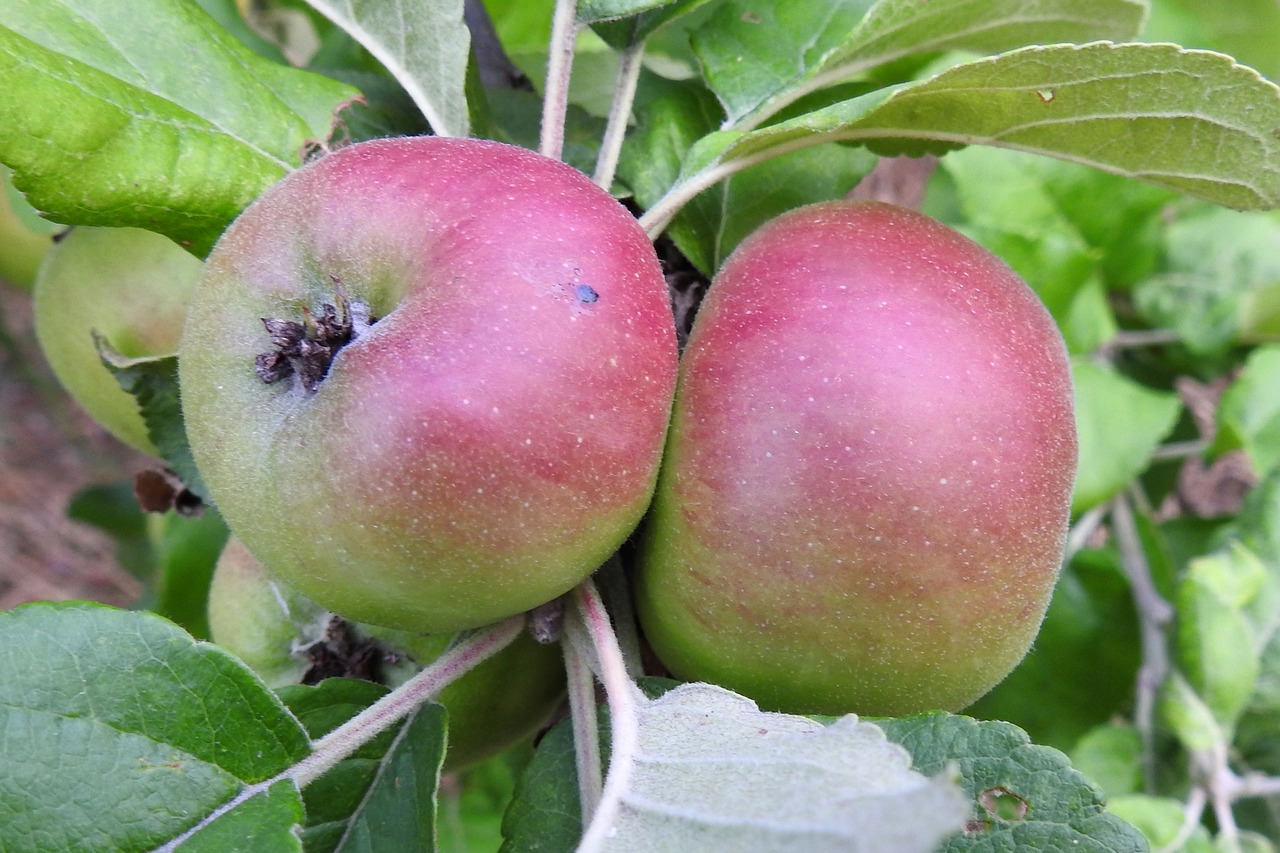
288,639
427,380
866,489
24,236
131,286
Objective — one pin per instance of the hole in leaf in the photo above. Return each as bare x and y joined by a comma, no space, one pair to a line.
1002,804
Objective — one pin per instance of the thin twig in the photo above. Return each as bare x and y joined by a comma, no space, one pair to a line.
615,131
623,698
1192,812
555,95
1154,617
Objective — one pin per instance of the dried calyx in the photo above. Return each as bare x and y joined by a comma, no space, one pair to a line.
306,349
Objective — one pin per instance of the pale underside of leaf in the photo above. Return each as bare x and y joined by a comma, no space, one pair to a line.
425,46
895,29
1193,121
838,47
713,772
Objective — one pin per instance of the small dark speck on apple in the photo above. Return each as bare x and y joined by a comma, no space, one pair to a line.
586,293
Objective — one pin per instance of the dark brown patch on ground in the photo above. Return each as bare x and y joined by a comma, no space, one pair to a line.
49,450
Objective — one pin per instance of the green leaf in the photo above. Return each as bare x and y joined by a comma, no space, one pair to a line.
545,814
759,56
1247,29
623,34
1215,261
153,382
1023,796
1161,820
1012,209
710,227
166,728
425,46
1111,457
1101,105
187,549
715,773
671,116
1110,755
1249,413
897,28
399,811
381,797
753,51
471,811
1188,717
590,11
148,114
1217,646
264,823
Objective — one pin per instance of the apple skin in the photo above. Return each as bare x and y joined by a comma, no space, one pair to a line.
491,438
867,483
269,626
24,237
131,285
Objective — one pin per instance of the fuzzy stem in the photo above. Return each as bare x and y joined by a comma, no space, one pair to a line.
555,96
623,698
586,731
377,718
615,131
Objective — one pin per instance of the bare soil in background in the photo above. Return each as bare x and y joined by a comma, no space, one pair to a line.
50,450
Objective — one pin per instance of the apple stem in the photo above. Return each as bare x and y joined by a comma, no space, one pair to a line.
465,655
555,96
329,750
589,615
586,732
624,95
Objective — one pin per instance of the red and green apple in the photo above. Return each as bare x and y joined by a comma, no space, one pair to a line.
866,488
427,380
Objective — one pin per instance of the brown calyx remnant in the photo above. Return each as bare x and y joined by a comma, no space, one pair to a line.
306,349
340,653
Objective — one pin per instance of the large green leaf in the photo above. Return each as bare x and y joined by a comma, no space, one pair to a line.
759,55
121,731
425,46
1024,796
148,114
1191,121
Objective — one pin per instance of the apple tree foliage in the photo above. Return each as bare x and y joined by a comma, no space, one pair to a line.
1112,151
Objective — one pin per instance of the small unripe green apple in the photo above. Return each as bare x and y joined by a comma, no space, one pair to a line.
131,286
865,495
24,237
427,380
288,639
